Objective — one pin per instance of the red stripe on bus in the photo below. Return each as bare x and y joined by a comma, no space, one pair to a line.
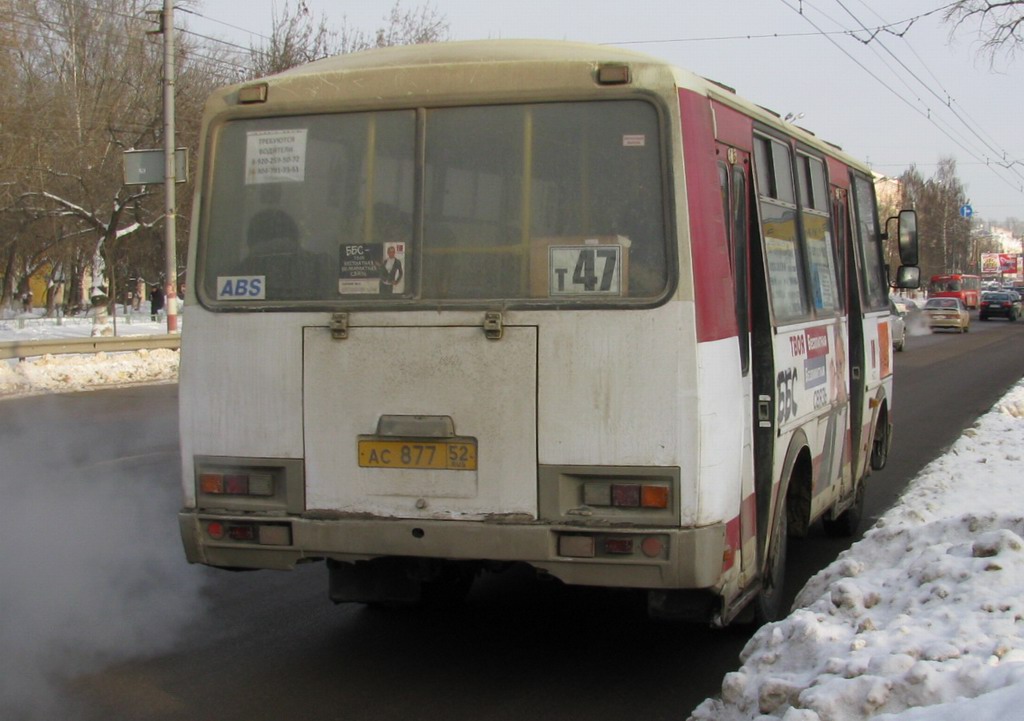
733,127
748,516
838,172
709,249
732,542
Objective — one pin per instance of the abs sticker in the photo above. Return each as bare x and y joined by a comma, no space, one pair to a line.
241,287
584,270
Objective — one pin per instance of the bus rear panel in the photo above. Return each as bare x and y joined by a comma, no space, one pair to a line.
464,306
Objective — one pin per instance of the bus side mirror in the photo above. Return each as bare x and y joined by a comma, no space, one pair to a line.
906,229
908,276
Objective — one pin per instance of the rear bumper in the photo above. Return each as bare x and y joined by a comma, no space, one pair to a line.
692,558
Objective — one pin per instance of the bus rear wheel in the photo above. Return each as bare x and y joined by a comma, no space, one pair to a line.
768,604
881,443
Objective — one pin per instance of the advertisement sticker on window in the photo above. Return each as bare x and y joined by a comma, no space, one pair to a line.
371,268
359,268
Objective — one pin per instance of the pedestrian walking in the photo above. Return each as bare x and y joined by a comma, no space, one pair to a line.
156,302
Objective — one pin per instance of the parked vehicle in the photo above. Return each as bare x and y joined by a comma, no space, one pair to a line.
897,319
948,313
999,305
905,305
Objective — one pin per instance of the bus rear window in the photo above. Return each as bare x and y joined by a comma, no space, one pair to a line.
555,201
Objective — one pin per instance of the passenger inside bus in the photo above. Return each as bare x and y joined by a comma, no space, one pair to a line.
275,252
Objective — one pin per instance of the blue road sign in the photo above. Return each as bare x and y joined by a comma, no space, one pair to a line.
966,211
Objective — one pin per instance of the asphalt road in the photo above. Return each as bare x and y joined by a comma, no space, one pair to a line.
103,619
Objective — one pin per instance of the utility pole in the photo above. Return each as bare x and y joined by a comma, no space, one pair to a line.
171,264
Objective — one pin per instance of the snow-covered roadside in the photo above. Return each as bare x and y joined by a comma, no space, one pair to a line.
922,619
62,373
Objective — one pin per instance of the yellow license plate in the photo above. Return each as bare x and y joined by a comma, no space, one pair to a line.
455,455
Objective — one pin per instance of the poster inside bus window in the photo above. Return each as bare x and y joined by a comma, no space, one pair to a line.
371,269
579,266
275,156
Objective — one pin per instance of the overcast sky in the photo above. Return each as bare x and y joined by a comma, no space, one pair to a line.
911,95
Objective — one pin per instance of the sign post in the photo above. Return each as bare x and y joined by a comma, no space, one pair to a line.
170,229
146,167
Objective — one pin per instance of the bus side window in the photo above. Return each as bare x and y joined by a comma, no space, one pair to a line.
867,241
733,184
840,228
780,231
740,234
814,209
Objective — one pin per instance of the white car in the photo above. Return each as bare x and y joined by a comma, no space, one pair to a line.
897,319
950,313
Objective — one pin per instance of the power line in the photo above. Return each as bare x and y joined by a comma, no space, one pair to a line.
972,127
926,115
225,24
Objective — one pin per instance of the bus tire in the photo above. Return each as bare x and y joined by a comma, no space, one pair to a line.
846,523
882,442
768,604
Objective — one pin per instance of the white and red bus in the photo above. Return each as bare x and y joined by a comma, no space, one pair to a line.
457,307
956,285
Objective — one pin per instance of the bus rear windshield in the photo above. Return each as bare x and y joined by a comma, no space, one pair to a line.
556,202
946,285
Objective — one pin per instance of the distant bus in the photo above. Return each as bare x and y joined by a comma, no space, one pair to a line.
956,285
461,307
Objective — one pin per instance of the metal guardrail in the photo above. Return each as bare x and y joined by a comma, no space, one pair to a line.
59,346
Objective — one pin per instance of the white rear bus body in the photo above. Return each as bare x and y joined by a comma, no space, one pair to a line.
459,306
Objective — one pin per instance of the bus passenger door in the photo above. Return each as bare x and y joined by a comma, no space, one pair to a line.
734,180
853,459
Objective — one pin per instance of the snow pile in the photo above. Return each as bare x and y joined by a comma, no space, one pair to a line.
75,372
923,619
64,373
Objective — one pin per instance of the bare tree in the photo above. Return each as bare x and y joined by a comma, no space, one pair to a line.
79,84
298,37
411,27
999,24
946,245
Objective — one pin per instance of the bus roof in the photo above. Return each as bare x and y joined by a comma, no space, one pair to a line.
482,59
473,52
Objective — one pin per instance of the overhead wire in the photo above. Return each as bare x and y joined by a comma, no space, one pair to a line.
234,68
971,127
950,99
926,114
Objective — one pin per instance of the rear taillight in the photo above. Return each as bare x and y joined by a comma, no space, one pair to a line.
237,484
618,546
265,534
626,495
596,545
